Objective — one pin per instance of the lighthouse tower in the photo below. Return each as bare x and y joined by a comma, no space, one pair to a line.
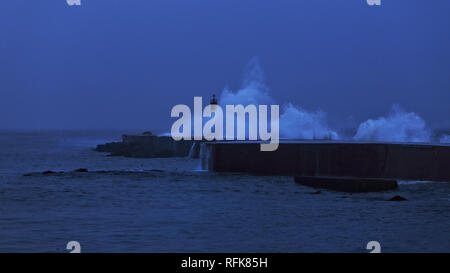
213,100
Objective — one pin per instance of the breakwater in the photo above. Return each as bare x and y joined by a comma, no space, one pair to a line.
316,158
332,158
148,146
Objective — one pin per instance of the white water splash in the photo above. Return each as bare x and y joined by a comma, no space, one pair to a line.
295,122
253,91
192,150
445,139
413,182
399,126
205,155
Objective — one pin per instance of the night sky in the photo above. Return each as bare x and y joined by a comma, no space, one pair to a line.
126,63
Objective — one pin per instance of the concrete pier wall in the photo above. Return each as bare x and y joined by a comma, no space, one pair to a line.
368,160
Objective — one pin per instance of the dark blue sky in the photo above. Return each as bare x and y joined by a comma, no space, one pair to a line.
125,63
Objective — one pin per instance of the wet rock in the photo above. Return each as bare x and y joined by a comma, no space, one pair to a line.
81,170
48,172
347,184
156,170
398,198
316,192
115,148
147,146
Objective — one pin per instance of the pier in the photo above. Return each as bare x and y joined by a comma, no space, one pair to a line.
403,161
307,158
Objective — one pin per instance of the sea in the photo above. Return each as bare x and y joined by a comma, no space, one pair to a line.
171,205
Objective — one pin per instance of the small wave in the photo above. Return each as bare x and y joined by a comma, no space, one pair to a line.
412,182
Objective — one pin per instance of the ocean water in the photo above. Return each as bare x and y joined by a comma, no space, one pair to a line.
167,205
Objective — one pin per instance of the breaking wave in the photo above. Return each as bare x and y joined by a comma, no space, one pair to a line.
295,122
399,126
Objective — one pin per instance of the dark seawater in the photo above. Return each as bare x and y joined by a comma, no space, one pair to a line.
165,205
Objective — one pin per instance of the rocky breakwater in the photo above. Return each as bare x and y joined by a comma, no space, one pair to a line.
148,145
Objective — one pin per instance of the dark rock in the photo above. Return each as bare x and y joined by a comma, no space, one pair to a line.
347,184
114,148
48,172
81,170
147,133
316,192
398,198
157,170
147,146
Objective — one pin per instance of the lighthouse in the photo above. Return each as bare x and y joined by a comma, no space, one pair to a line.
213,100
